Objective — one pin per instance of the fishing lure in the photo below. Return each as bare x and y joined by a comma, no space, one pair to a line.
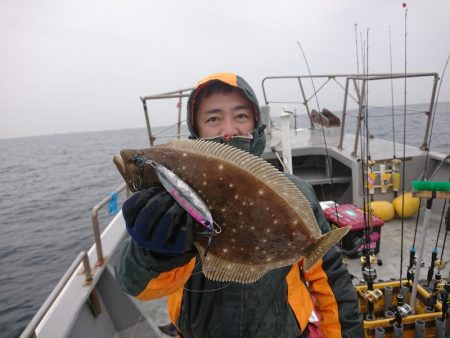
186,197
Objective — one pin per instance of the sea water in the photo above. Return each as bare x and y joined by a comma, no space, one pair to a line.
49,184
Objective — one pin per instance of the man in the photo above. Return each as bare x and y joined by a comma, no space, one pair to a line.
224,108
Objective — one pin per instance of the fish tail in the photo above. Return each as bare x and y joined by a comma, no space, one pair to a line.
324,244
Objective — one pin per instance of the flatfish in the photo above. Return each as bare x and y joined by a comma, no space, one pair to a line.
266,221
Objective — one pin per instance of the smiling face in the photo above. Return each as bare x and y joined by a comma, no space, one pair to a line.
225,114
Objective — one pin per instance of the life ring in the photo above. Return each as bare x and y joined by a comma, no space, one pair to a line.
411,205
383,210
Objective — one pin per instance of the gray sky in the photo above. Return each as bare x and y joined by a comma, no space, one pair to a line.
79,65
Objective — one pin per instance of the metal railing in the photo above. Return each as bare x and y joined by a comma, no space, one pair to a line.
177,94
30,330
360,83
82,257
96,226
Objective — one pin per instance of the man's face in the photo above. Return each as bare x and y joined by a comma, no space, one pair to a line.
226,115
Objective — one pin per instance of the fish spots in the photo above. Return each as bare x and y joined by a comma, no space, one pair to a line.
268,230
204,183
221,167
260,192
223,210
275,221
244,203
236,197
225,250
231,185
252,228
183,167
184,154
269,259
233,230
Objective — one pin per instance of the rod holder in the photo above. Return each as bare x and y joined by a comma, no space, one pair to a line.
387,298
420,328
379,332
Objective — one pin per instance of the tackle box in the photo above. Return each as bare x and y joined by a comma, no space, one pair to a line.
349,215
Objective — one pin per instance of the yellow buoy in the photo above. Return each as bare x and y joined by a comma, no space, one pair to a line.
411,205
383,210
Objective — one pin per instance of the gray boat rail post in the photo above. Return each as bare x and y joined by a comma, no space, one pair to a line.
30,330
95,223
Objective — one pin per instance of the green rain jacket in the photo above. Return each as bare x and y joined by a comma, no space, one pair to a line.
280,304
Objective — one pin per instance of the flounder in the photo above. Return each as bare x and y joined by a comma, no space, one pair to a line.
266,220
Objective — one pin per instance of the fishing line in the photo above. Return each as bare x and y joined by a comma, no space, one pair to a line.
327,158
135,326
434,115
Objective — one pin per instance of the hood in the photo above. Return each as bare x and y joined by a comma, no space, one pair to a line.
257,143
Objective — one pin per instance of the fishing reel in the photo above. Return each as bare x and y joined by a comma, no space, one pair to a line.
405,310
372,296
395,164
440,265
373,260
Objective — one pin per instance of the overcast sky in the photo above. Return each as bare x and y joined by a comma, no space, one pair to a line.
81,65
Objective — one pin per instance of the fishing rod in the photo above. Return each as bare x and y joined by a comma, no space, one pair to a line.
368,259
395,163
327,156
431,186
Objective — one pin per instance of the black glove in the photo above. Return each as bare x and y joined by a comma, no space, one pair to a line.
157,223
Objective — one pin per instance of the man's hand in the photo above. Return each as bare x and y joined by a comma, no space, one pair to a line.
157,223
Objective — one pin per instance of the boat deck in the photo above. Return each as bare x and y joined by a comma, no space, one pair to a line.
390,249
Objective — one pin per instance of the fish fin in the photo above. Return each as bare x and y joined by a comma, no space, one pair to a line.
220,270
324,244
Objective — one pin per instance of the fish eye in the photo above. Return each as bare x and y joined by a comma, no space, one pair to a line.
207,223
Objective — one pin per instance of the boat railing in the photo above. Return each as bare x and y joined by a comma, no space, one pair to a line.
359,96
30,330
96,224
177,94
